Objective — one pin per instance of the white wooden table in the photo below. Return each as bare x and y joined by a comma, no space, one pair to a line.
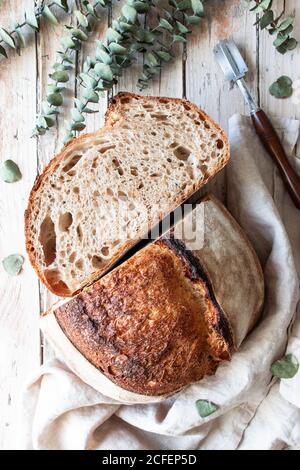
23,82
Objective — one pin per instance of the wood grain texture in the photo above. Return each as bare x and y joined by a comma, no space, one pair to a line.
23,83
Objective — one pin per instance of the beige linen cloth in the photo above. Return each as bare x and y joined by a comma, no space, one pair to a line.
59,411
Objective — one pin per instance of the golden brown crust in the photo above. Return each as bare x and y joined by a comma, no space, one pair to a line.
152,325
56,286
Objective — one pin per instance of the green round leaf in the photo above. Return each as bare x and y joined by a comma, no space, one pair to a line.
79,34
7,38
90,95
21,38
103,71
13,264
76,115
285,368
47,13
82,20
88,80
206,408
31,20
60,76
165,24
282,88
103,56
266,19
55,99
129,13
117,49
78,126
164,55
292,44
197,7
113,35
10,172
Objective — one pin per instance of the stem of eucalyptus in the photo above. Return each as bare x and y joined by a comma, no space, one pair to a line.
64,63
112,57
15,39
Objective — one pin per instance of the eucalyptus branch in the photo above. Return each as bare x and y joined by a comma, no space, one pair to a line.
283,28
65,62
101,73
171,28
15,39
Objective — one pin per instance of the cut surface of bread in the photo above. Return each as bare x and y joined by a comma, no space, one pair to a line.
104,191
162,319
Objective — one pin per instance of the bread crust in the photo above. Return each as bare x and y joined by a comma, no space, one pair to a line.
152,325
114,111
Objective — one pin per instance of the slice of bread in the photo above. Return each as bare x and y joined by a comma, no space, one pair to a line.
104,191
166,317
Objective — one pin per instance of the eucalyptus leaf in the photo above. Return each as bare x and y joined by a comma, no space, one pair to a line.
47,13
129,13
55,99
206,408
88,80
103,56
90,95
78,126
62,4
103,71
117,49
282,88
13,264
79,34
50,121
182,28
76,115
178,38
7,38
31,20
67,42
113,35
165,24
285,368
197,7
285,24
10,172
60,76
266,19
3,51
193,19
82,19
163,55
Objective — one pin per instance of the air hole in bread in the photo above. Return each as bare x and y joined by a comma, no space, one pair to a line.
52,277
79,232
71,163
206,125
95,163
173,145
159,116
76,190
109,192
79,264
122,196
47,239
182,153
153,133
72,257
116,162
148,106
71,173
97,261
65,221
105,251
146,152
124,100
155,175
120,171
220,144
131,206
105,149
197,122
141,185
96,194
134,171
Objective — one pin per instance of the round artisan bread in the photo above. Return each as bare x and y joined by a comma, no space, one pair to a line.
167,316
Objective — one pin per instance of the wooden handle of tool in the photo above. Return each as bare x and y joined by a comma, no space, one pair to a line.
271,141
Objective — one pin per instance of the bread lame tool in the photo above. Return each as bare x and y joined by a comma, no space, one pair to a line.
234,67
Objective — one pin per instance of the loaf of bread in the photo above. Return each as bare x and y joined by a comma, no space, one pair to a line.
168,315
104,191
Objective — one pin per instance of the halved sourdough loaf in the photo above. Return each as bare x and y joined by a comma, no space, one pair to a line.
166,317
104,191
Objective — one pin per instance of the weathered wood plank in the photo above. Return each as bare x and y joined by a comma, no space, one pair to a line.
272,65
205,80
19,296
